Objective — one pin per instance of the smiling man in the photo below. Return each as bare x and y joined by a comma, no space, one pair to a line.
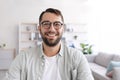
52,59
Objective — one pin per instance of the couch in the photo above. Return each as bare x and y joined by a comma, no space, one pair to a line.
99,65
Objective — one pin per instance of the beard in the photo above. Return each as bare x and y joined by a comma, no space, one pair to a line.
49,42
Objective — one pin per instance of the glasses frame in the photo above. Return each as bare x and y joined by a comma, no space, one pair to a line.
49,24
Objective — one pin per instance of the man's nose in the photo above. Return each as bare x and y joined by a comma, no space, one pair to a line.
52,27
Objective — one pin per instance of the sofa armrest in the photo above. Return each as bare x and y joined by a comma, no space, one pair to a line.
116,73
91,57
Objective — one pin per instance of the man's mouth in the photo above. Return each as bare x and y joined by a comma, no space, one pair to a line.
51,35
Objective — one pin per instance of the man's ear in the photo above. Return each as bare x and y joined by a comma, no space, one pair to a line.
39,27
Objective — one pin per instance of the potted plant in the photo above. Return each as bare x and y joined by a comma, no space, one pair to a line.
2,45
86,48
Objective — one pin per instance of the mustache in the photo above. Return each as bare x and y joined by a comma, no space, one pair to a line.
51,32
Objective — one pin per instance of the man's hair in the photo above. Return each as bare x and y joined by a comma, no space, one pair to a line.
51,10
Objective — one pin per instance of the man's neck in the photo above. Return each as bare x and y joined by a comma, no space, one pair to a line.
51,51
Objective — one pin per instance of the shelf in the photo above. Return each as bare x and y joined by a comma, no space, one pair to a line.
7,49
29,32
29,41
24,48
29,23
77,32
28,35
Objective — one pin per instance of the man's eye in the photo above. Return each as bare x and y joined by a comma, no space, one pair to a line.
57,24
46,23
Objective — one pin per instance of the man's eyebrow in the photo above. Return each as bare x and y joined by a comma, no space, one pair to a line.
58,22
46,21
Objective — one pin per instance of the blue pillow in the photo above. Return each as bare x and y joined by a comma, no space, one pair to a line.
112,64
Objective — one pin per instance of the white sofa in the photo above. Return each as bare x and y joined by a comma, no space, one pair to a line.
98,64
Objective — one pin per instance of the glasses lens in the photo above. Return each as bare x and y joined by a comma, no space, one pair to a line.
57,25
46,24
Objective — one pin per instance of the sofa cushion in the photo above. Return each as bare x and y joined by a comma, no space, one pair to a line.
99,72
116,57
113,64
116,73
110,67
103,59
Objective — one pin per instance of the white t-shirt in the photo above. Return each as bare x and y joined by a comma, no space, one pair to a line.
51,70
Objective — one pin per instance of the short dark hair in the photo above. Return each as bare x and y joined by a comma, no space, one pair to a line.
51,10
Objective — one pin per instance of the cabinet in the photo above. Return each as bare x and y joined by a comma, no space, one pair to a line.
6,58
75,34
28,35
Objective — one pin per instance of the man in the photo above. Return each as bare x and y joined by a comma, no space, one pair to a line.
51,60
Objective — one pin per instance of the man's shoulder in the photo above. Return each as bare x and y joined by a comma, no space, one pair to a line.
73,50
74,53
33,51
28,50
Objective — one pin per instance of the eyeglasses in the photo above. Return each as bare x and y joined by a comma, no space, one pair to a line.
47,24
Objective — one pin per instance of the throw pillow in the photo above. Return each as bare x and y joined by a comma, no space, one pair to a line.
110,67
109,74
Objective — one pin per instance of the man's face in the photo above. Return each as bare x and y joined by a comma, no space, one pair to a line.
51,36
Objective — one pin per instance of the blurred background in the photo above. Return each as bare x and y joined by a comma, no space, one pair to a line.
88,22
98,18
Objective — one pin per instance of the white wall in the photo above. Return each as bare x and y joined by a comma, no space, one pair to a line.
14,11
104,23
